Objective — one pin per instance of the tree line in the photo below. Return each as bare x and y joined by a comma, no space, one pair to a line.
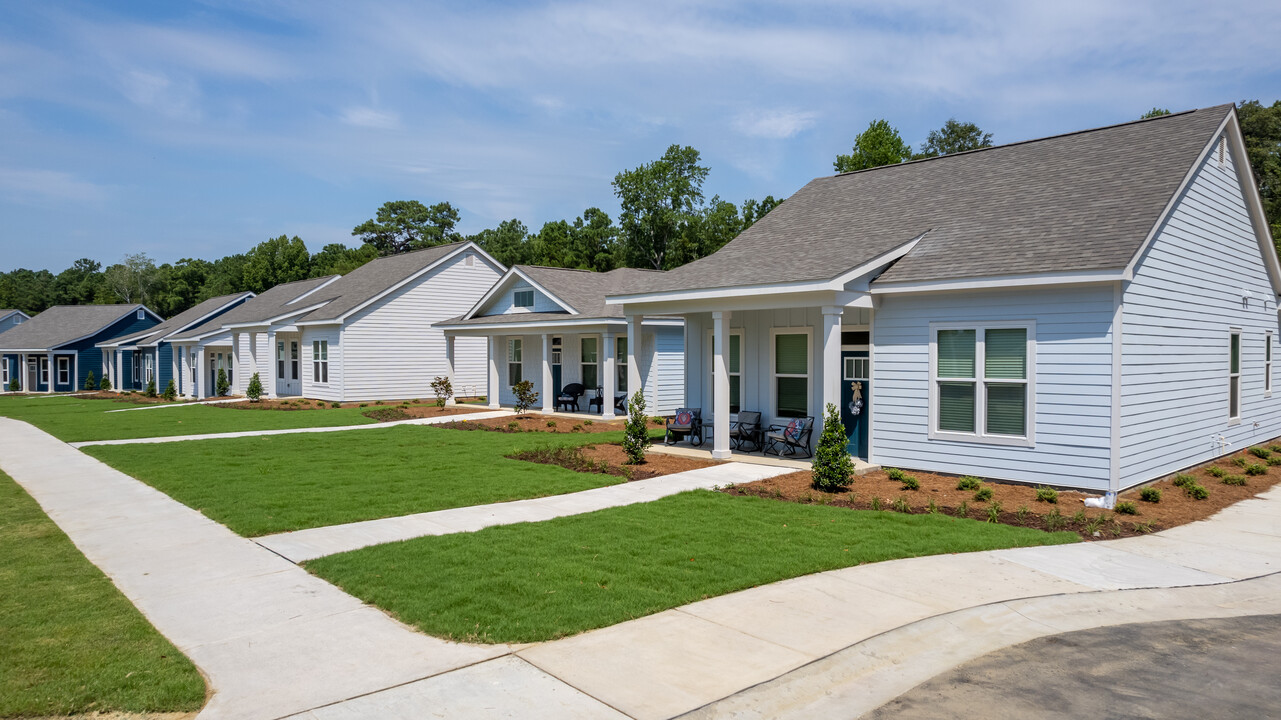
665,221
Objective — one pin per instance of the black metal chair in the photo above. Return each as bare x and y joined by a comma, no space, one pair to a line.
687,423
790,439
620,403
597,404
747,429
568,397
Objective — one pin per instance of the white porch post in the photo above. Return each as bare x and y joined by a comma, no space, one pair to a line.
720,385
53,375
547,395
201,381
491,388
831,358
175,365
633,342
449,365
23,374
272,359
607,384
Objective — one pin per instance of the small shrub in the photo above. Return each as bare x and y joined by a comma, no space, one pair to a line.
364,404
963,510
223,386
443,390
378,402
1078,518
876,503
901,505
1054,520
589,422
1239,461
171,391
969,482
1096,524
895,474
335,405
1196,492
933,507
833,469
1125,507
1150,494
911,483
1275,448
1274,460
90,382
513,426
994,512
151,388
983,494
1022,513
636,432
1215,470
525,396
254,391
15,386
1047,494
1261,453
551,423
1142,527
1256,469
1234,480
578,427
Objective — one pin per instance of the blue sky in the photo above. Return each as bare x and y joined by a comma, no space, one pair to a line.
201,129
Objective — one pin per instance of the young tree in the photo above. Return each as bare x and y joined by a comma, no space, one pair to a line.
833,469
151,388
90,381
223,386
275,261
636,431
658,199
954,137
171,391
15,386
403,225
443,390
105,383
880,144
525,396
254,391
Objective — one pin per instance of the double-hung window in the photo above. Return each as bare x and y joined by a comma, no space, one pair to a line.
64,371
44,370
981,383
320,361
791,373
590,359
734,366
514,359
1234,375
620,364
280,359
4,373
1267,363
523,299
192,364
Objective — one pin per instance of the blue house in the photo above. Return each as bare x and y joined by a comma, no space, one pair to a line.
56,350
134,359
1093,310
10,319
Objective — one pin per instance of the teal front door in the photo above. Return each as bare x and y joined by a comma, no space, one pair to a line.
856,399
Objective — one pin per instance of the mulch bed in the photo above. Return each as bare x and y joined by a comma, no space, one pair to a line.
876,491
136,398
612,460
537,423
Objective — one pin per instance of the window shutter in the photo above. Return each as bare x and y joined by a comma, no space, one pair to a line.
956,353
791,355
1006,409
956,406
1005,353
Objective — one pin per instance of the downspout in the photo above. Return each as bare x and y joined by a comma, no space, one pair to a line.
1118,315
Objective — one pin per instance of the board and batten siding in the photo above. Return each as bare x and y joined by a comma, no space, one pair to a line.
1073,378
390,351
1186,295
665,381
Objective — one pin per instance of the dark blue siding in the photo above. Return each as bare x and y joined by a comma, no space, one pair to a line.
91,357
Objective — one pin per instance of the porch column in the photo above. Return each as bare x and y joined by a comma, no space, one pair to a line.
201,381
633,342
547,395
831,358
22,372
720,385
53,373
491,388
607,384
269,385
449,366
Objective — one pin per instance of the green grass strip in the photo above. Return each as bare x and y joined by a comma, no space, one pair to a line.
263,485
541,581
70,643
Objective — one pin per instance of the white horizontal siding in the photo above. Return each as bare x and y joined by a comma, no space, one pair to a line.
390,350
1073,371
1185,296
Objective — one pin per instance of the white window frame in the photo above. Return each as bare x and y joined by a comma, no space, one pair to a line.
620,364
280,360
320,362
519,364
1234,419
516,296
980,434
774,332
583,364
710,394
4,373
44,370
193,364
142,314
64,368
1267,364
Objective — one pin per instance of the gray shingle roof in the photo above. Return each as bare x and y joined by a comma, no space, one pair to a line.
374,278
63,324
270,304
1077,202
582,290
181,320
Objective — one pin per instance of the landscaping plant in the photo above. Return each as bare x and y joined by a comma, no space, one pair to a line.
969,482
104,384
833,468
15,386
1196,491
151,388
525,396
636,431
1126,507
1214,470
223,387
983,494
1047,494
171,391
254,391
443,389
1256,469
1150,494
1261,453
1234,480
90,381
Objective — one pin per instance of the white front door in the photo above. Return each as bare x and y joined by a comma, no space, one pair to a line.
288,365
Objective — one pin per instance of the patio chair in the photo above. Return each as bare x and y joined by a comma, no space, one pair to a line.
687,423
747,429
568,397
790,439
620,403
597,404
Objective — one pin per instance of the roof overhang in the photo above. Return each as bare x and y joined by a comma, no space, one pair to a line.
1000,281
569,324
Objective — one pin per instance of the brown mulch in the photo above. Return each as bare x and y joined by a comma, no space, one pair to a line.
875,490
423,408
612,460
537,423
136,398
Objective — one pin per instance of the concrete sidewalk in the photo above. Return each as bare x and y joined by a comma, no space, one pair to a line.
302,545
439,420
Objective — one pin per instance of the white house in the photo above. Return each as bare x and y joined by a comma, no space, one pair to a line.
551,326
364,335
1092,310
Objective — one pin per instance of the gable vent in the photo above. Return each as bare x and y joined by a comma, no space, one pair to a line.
470,260
1223,151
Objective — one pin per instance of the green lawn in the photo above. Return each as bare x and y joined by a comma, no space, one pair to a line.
262,485
69,641
73,419
539,581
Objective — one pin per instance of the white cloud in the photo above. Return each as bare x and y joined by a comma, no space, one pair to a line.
774,124
26,186
366,117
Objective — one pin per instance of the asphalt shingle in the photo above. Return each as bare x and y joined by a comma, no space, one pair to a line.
62,324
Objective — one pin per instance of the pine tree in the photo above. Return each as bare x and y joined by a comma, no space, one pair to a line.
636,432
171,391
90,381
254,391
151,388
223,387
104,384
833,469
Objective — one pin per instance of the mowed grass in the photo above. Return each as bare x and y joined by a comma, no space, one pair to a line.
72,419
263,485
70,643
540,581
